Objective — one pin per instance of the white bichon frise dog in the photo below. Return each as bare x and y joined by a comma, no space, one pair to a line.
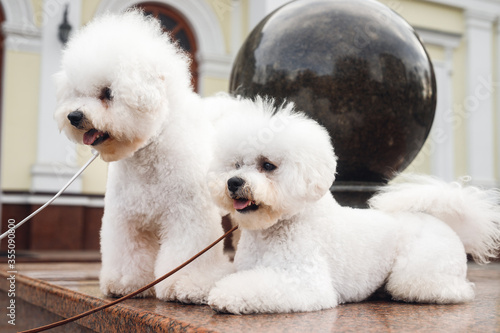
124,89
301,251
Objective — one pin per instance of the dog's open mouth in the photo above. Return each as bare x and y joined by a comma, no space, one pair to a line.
243,205
94,137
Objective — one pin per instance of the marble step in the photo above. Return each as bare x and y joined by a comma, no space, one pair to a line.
47,292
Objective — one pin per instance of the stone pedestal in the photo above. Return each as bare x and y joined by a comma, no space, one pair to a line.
356,67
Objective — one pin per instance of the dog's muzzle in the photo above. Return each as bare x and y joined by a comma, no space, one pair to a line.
76,118
241,194
92,137
234,184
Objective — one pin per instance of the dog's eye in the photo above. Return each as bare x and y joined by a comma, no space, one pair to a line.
237,165
106,94
266,166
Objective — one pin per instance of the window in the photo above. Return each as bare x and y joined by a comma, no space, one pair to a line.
178,27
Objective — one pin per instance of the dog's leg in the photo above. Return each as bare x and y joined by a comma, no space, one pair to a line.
182,241
193,283
128,257
431,267
268,290
182,286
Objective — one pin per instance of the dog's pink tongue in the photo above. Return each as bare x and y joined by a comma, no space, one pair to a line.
241,204
90,136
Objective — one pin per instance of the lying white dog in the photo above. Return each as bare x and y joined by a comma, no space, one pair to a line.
124,89
301,251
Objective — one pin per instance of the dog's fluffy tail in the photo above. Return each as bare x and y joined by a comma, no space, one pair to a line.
474,214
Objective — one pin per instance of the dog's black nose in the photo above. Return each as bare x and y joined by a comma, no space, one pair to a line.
75,118
234,183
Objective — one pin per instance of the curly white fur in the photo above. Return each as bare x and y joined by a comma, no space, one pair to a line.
474,214
129,85
301,251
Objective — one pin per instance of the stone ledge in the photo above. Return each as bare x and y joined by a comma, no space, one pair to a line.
67,289
66,303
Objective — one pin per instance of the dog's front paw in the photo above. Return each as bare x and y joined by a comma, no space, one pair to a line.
183,289
267,291
116,286
224,302
230,295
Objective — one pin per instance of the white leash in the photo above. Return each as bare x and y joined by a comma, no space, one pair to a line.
95,154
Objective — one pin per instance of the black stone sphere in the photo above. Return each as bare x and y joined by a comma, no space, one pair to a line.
356,67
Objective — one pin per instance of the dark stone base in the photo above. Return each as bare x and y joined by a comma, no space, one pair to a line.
354,194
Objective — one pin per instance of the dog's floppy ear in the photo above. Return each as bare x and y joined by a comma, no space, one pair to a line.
314,160
316,175
142,90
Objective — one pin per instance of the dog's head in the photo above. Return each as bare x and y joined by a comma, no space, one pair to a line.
120,76
269,164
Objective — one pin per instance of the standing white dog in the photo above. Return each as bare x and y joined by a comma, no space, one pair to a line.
301,251
124,89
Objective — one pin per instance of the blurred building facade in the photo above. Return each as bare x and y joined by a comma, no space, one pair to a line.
462,38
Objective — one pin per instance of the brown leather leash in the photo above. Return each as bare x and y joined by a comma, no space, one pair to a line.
102,307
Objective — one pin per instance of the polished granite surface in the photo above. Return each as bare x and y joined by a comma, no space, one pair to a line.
66,289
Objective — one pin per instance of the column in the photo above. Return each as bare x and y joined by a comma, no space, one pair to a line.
56,156
441,137
479,97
